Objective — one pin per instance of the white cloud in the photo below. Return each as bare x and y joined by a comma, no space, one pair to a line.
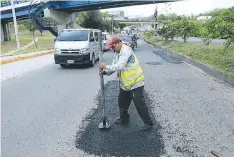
185,7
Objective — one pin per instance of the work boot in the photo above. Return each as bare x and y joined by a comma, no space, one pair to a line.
124,117
147,127
122,121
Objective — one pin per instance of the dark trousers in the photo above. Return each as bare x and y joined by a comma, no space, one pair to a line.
124,101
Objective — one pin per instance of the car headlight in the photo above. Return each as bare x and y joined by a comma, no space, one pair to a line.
57,51
84,51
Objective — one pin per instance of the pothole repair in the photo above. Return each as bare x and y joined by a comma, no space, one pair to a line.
119,140
167,57
153,63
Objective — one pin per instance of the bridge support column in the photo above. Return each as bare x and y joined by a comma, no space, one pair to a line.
60,18
5,32
60,28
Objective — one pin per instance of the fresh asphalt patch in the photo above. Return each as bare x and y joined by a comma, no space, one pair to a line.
167,57
118,141
153,63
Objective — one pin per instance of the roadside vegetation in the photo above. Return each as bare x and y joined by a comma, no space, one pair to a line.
44,40
220,26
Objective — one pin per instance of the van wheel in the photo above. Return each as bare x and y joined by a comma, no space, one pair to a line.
63,65
92,62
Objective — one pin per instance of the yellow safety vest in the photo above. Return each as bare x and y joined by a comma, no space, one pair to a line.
132,72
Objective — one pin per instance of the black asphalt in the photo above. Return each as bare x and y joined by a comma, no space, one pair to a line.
119,141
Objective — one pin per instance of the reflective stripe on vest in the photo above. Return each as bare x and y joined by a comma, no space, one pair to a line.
134,67
132,82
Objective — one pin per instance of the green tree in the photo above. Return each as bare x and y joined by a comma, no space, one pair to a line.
32,28
105,15
222,25
162,17
179,18
96,19
173,17
90,19
187,28
163,32
122,25
173,29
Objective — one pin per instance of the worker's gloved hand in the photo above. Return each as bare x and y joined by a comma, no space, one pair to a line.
102,72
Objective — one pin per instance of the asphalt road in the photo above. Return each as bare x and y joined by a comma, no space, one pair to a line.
54,112
217,42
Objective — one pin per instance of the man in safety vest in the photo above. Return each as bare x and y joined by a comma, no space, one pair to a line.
131,77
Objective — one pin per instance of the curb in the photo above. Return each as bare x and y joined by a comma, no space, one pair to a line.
6,61
209,70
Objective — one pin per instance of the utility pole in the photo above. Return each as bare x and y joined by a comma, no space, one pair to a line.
112,25
155,17
15,25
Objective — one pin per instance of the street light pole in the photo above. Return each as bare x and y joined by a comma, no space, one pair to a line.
155,17
15,25
112,17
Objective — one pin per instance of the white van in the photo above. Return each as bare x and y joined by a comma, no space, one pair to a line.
77,46
105,37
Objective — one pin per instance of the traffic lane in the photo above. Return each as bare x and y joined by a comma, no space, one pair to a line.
16,69
41,110
217,42
145,54
194,109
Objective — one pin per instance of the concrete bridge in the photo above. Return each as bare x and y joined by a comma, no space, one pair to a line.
55,15
135,22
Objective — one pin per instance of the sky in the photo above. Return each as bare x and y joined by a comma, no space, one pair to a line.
184,7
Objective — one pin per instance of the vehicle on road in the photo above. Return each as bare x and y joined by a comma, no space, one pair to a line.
123,32
127,40
105,37
77,46
134,38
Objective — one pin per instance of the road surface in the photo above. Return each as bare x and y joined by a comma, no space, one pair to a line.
54,112
196,40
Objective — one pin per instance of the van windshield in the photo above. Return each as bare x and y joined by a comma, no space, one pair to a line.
73,35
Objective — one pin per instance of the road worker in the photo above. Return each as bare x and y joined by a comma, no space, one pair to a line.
131,78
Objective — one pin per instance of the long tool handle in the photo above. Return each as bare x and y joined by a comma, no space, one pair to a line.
102,86
216,154
102,94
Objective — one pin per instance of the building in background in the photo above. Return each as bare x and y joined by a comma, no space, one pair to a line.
118,14
204,17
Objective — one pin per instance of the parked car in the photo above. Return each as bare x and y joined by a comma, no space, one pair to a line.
105,37
127,40
77,46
